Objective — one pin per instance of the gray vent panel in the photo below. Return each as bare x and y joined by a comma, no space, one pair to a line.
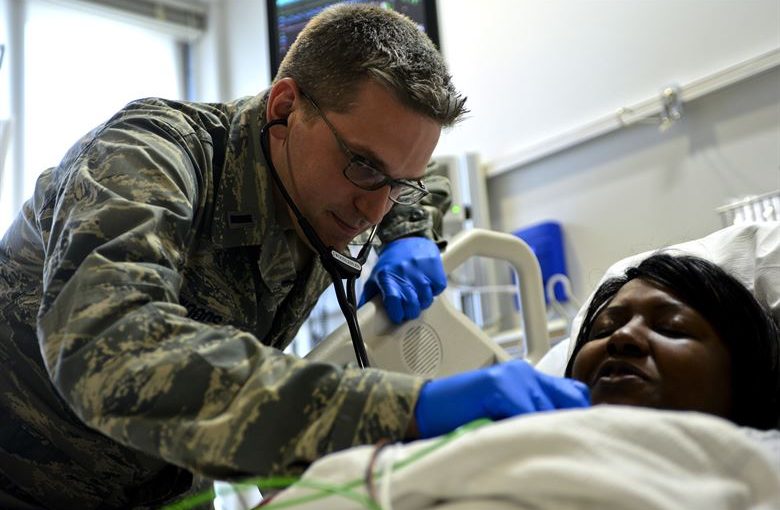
421,350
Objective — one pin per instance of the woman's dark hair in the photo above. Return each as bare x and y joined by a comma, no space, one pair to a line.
745,327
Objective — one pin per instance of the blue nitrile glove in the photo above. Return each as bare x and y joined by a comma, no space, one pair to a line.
409,273
495,392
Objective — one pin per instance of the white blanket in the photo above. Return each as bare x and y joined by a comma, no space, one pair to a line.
599,458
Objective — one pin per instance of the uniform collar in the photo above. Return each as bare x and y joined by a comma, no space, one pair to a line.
244,204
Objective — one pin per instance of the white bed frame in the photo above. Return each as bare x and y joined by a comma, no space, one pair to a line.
443,341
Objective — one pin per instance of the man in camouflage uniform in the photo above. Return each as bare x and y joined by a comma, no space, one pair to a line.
149,285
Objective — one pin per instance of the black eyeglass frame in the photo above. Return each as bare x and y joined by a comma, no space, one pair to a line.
419,189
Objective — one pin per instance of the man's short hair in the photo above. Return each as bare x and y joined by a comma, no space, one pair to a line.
348,43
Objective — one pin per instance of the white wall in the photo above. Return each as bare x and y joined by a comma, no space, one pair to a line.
5,81
639,189
232,59
534,68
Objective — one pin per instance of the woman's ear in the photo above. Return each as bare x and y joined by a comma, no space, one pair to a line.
281,100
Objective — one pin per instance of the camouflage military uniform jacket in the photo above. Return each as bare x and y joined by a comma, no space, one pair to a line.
146,290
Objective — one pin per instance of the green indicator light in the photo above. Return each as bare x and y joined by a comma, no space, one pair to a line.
455,209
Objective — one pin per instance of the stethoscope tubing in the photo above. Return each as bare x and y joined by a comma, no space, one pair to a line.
339,266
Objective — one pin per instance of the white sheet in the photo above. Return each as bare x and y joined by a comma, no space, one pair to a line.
601,458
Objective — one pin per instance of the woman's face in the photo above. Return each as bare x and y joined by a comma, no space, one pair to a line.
647,348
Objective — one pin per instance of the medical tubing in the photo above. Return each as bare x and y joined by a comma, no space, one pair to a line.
324,252
349,311
385,497
346,489
324,489
360,346
363,253
351,289
348,308
305,226
368,478
397,466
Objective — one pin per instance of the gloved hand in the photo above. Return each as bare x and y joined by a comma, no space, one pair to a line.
409,273
500,391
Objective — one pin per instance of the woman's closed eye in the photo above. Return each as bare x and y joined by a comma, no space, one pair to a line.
672,333
602,327
676,326
674,329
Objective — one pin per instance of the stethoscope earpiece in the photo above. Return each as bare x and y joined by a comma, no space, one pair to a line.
276,122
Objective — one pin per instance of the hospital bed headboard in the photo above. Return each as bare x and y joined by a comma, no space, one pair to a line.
443,341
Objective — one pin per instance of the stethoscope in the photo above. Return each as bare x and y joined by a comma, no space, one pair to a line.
339,266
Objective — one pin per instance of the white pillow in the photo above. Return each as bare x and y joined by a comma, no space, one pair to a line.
749,252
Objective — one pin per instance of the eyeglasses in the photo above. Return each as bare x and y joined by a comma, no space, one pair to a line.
362,173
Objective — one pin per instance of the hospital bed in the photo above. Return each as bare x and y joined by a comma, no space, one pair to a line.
680,460
443,341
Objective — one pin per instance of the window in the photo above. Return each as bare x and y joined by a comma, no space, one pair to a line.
79,68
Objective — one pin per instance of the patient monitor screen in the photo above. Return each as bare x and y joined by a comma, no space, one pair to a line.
286,18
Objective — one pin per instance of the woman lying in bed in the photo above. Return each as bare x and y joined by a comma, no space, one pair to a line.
678,332
673,334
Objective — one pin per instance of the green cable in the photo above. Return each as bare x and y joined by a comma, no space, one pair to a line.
346,490
325,490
